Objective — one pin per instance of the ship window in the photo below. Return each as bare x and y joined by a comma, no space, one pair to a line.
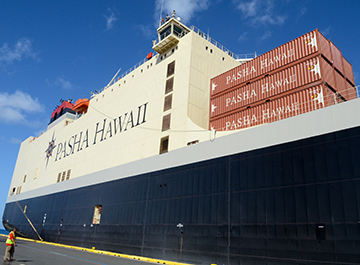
97,214
18,190
36,173
25,178
169,85
14,189
171,69
178,31
25,207
168,102
68,174
59,177
166,122
164,145
166,32
63,176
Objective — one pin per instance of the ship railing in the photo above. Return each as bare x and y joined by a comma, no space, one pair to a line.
154,53
246,56
217,44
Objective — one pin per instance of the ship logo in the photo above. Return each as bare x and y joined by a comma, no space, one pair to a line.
50,149
312,41
318,96
315,67
213,107
213,87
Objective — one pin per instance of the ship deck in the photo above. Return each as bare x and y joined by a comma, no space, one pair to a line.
44,253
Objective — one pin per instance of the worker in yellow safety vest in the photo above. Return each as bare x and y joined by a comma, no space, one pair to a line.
10,246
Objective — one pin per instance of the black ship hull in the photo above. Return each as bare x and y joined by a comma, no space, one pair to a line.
291,203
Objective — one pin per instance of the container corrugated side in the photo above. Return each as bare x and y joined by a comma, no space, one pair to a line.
313,70
299,102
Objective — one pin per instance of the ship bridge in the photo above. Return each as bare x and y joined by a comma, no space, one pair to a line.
169,34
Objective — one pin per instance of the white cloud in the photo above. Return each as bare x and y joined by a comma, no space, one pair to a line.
14,140
110,20
64,84
326,31
14,107
22,49
185,8
249,8
146,30
266,35
260,12
243,36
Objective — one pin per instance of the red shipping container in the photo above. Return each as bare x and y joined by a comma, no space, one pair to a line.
309,72
337,58
301,101
348,71
299,48
352,93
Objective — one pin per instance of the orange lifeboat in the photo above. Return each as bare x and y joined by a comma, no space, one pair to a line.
81,105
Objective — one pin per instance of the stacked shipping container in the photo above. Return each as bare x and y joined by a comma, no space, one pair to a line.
288,80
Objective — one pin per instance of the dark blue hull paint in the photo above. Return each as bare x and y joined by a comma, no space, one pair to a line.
294,203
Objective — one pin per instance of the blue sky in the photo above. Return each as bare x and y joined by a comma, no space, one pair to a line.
52,50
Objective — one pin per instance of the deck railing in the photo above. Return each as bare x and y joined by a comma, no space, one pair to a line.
201,33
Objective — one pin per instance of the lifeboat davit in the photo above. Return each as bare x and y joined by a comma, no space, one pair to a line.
81,105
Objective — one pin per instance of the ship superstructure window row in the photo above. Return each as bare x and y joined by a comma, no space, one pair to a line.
168,99
64,175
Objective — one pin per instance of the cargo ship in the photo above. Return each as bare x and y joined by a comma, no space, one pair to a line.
201,156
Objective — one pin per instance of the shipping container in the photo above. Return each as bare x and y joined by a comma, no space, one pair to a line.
352,93
300,101
307,73
309,44
348,71
337,58
300,49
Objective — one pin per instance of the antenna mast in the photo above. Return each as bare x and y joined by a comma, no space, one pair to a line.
161,9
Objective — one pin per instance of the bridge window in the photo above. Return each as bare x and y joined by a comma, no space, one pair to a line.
166,32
